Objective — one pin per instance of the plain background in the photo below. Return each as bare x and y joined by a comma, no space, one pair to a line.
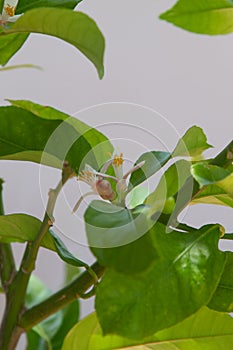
185,77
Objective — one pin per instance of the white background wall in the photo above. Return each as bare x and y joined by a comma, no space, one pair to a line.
186,77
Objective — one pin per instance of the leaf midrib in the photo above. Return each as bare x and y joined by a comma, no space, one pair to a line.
14,144
192,244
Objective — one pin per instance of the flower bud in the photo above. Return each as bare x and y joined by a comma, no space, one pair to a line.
104,189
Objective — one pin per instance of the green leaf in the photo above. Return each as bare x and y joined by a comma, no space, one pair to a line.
117,237
204,330
204,17
75,28
173,288
22,228
1,5
64,254
45,330
9,45
206,174
222,299
192,144
45,112
154,161
70,318
170,183
25,5
35,341
216,185
42,138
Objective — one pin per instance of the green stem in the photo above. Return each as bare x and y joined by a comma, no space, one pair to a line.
228,236
7,263
1,200
60,299
7,269
10,331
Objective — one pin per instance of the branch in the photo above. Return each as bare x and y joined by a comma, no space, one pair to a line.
7,263
60,299
10,331
31,252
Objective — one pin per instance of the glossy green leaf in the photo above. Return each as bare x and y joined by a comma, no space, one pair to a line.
222,299
25,5
117,237
204,17
216,185
73,27
42,138
22,228
92,136
170,183
45,112
173,288
64,254
9,45
24,137
42,333
205,330
154,161
192,144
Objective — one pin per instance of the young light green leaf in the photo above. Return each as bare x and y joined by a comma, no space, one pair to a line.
170,183
117,237
9,45
22,228
204,17
222,299
75,28
204,330
154,161
25,5
192,144
216,185
175,287
206,174
19,66
137,196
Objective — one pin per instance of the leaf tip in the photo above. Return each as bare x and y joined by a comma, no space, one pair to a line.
101,72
